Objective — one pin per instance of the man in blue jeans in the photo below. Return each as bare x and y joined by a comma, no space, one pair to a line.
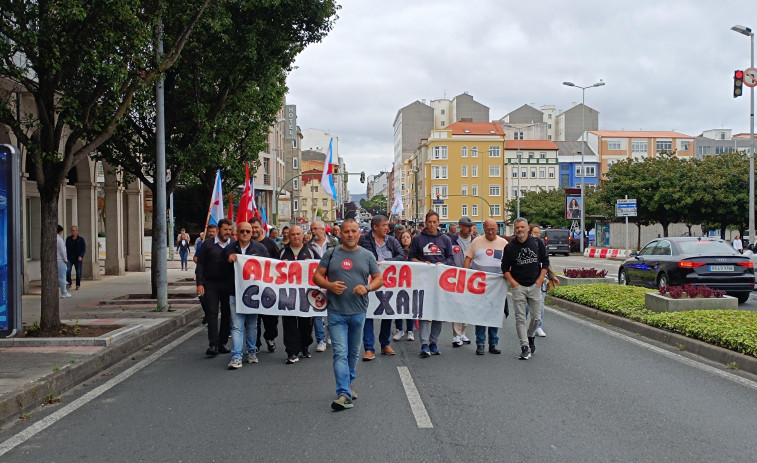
344,271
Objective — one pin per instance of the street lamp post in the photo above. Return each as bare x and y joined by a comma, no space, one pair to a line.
583,150
748,32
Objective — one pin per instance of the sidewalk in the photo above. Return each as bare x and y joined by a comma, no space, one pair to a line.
31,368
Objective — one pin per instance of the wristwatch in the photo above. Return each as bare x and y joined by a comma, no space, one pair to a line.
367,288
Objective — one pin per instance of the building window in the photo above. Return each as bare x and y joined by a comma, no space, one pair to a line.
304,202
438,172
494,210
474,190
551,172
519,154
296,205
533,172
443,123
494,190
494,152
590,171
684,146
549,137
474,210
474,152
464,190
474,171
295,163
705,150
439,152
442,112
542,172
464,209
325,202
613,145
639,147
441,209
296,184
494,171
515,193
464,152
524,172
549,126
464,171
664,145
515,173
440,191
543,155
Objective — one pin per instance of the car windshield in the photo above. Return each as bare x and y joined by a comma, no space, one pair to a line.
706,247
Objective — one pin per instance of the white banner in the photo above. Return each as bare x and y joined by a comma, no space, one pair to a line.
411,290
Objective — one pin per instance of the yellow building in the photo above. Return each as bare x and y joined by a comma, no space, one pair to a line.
461,173
314,202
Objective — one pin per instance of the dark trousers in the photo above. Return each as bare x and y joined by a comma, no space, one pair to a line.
385,334
297,334
271,325
218,335
75,264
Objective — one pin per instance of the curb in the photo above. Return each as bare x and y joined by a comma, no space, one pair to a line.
105,340
711,352
33,395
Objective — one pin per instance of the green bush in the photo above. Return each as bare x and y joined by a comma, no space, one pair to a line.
732,329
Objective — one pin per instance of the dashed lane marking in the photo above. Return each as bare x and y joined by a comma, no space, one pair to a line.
416,403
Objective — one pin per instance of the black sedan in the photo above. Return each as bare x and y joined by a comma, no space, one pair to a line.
689,260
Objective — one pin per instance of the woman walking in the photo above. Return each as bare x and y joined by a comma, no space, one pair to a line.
182,245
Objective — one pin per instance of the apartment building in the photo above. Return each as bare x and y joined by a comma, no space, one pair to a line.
531,165
614,145
719,141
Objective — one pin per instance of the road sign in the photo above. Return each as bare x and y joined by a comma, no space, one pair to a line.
437,201
625,208
750,77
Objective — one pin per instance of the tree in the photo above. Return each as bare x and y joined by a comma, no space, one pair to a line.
82,63
720,191
547,208
221,97
376,205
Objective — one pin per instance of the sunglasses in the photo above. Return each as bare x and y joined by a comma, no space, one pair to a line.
244,231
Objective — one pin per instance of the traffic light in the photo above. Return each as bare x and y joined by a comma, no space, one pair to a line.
362,177
738,83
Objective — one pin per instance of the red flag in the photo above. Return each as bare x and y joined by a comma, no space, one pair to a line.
246,209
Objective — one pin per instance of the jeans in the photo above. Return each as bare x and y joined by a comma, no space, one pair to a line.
481,332
430,331
543,295
76,264
385,334
346,335
244,328
62,276
526,296
320,332
183,253
409,324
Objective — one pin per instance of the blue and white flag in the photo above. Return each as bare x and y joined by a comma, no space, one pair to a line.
216,202
327,177
397,207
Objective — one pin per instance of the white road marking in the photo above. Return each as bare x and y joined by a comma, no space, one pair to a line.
51,419
671,355
416,403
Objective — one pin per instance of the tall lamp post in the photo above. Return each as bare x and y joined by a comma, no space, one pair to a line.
583,150
748,32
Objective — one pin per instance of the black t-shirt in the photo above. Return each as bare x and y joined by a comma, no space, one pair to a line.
270,245
525,260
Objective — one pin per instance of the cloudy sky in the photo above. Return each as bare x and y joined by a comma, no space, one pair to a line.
668,65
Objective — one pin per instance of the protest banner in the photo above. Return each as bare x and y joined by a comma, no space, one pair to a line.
411,290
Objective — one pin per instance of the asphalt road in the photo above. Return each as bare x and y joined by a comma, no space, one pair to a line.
590,393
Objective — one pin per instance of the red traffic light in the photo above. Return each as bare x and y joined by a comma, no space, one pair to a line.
738,83
738,75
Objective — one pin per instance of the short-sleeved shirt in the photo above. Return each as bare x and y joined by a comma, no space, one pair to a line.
354,268
486,255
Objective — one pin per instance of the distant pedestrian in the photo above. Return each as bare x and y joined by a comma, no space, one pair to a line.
344,271
182,245
524,265
461,240
62,263
405,239
75,250
198,244
738,245
244,327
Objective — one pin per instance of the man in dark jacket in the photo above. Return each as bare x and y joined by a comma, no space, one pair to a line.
384,247
297,330
433,247
524,264
270,322
244,327
214,284
75,250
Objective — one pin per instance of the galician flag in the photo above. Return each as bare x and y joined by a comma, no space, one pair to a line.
216,201
246,209
327,178
264,219
397,207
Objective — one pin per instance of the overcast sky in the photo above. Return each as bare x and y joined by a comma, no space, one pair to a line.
667,65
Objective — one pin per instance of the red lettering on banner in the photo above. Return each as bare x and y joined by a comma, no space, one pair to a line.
295,273
281,269
390,281
267,277
311,271
251,270
406,277
480,278
460,288
445,281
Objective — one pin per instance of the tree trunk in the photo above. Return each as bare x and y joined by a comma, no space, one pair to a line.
50,308
722,231
665,229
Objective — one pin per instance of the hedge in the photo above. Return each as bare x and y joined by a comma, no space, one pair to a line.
732,329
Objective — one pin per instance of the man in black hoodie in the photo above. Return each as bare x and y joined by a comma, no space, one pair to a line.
524,265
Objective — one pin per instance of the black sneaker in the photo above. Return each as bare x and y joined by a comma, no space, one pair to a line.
531,344
292,359
479,350
494,350
222,349
271,345
306,354
212,350
525,353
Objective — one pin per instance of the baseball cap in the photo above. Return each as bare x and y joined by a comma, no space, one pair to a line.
465,220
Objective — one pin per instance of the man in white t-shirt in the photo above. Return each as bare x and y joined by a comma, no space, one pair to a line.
485,253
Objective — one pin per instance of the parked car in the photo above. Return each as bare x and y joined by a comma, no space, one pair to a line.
677,261
557,240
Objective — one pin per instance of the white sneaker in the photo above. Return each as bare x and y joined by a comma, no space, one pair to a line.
398,335
321,347
252,357
328,340
465,339
540,332
65,294
410,336
456,341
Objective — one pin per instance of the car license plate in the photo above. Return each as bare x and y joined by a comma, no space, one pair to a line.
721,268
